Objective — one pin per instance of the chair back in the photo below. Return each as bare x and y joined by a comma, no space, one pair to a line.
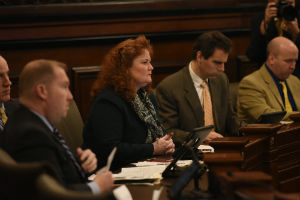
48,189
17,180
71,127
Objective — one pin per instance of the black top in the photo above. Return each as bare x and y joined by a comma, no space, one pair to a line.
113,122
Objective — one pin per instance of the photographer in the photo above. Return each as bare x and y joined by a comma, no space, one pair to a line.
279,19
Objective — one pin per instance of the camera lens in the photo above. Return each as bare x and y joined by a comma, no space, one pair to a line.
286,11
289,13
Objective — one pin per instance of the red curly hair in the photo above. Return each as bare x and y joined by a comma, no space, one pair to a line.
114,70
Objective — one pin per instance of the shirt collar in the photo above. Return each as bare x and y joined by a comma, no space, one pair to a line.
45,120
196,79
277,80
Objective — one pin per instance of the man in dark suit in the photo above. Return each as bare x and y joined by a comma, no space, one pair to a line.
7,106
29,134
181,95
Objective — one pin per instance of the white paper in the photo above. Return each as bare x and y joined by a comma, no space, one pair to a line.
122,193
286,122
92,177
109,161
110,158
147,163
140,173
108,164
156,193
183,163
206,148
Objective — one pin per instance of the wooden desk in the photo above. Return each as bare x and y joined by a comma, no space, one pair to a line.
145,192
269,148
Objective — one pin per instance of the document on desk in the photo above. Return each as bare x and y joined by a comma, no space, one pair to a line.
146,174
206,148
179,163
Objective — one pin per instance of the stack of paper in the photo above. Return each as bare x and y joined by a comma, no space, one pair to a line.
147,174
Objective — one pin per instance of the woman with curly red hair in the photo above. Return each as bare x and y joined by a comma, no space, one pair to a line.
124,112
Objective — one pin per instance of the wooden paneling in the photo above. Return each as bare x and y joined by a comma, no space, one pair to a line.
83,78
81,34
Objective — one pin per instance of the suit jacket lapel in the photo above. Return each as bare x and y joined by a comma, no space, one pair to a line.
191,96
294,93
271,84
213,90
37,120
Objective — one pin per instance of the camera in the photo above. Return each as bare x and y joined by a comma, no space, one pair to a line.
286,10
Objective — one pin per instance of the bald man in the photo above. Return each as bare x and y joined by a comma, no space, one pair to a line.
263,91
5,104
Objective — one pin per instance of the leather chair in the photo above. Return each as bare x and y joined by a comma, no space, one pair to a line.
48,189
17,180
71,127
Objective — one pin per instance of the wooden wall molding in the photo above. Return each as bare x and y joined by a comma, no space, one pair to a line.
82,80
81,34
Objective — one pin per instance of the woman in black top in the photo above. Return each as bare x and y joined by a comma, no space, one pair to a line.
124,112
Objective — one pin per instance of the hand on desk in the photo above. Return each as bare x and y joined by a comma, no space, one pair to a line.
164,145
212,135
87,159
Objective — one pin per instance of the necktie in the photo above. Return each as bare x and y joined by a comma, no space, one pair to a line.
3,117
67,149
207,107
287,103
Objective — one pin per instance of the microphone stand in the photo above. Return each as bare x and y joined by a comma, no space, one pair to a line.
202,168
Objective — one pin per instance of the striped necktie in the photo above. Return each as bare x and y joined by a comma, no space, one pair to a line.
287,103
207,106
63,143
3,117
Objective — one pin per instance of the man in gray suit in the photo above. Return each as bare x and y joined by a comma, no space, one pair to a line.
180,95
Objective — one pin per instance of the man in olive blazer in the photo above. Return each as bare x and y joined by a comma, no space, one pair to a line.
260,92
180,100
181,110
